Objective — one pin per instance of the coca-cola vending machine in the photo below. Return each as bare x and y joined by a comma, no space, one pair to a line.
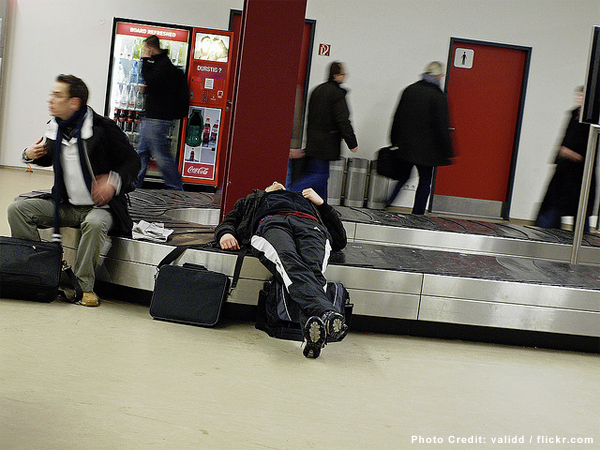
125,91
202,150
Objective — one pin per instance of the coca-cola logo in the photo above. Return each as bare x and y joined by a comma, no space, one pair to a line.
198,170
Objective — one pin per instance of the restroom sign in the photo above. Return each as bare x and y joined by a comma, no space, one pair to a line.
463,58
324,49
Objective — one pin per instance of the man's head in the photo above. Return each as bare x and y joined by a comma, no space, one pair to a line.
151,46
68,95
337,72
435,69
276,186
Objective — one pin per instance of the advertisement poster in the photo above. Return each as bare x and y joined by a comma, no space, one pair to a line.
201,142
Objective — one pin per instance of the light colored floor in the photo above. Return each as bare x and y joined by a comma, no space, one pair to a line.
113,378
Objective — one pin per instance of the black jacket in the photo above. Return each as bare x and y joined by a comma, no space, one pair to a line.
108,150
328,122
161,87
242,221
420,127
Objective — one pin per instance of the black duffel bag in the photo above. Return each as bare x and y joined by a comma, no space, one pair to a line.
388,162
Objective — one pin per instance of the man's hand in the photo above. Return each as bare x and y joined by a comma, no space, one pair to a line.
311,195
569,154
102,190
296,153
36,150
229,242
354,150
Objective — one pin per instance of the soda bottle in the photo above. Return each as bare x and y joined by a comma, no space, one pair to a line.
181,54
215,131
129,121
124,96
131,98
120,73
122,119
137,49
206,134
194,127
133,74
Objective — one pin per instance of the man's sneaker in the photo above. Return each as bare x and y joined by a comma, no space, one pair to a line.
315,337
335,325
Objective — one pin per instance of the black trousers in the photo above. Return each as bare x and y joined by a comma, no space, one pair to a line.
296,251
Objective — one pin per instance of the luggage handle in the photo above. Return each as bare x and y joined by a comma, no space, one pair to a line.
178,251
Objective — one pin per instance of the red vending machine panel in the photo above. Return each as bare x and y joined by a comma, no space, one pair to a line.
201,153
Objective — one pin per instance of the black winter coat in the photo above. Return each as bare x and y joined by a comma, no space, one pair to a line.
241,222
565,185
328,122
161,87
421,126
108,151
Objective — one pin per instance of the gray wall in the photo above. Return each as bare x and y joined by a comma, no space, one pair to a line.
385,45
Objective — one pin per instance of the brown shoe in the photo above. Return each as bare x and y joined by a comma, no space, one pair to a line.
89,299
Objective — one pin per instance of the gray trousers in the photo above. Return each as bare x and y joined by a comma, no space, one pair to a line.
25,216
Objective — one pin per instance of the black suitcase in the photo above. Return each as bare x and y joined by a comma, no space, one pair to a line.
29,270
278,316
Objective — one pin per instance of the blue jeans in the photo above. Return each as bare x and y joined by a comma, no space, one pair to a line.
316,176
153,143
423,188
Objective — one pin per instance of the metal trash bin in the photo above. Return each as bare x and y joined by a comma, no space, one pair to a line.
378,188
356,182
335,186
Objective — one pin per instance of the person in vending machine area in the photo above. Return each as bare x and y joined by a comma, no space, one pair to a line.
94,167
292,234
161,89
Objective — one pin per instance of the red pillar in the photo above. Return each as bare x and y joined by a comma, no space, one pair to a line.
268,64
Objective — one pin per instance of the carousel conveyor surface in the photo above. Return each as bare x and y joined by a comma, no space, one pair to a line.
466,235
384,280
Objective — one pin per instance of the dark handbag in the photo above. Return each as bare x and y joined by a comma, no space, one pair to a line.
388,162
190,294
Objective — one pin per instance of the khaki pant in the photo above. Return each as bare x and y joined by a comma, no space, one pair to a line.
25,216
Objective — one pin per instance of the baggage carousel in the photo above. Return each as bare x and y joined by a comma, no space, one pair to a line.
404,273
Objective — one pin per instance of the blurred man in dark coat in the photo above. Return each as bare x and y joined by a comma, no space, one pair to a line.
328,123
421,132
562,196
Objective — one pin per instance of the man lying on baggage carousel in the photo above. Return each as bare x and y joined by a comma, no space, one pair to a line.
292,234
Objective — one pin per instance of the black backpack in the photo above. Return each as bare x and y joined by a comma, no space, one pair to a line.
278,315
181,96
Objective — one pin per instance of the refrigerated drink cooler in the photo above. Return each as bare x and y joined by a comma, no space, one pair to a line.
125,98
203,55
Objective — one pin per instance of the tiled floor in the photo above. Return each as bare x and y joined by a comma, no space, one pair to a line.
113,378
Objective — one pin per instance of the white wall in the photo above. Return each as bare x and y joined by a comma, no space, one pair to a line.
384,43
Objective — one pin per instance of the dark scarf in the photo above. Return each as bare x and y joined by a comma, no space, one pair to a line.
69,128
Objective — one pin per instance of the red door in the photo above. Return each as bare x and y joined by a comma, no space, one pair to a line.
486,91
